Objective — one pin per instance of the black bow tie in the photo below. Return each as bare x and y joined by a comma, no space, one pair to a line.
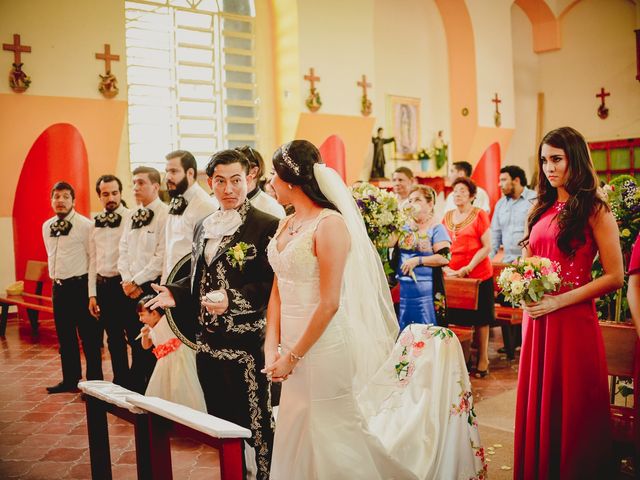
141,218
108,219
177,205
60,228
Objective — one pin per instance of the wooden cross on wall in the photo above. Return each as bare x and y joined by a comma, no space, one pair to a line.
497,116
603,111
19,81
312,79
363,83
107,57
16,48
365,103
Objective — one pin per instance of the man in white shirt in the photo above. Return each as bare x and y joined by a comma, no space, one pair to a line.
402,180
189,204
140,262
258,198
464,169
107,301
66,239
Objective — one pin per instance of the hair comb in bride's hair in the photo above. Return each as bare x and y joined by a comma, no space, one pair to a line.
287,159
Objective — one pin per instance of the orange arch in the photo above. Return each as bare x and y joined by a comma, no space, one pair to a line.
462,73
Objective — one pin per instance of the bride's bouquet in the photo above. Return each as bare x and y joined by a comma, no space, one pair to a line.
529,279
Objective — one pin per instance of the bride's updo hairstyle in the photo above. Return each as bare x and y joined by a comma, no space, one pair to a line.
293,162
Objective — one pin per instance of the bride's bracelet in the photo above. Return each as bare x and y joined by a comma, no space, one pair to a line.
293,356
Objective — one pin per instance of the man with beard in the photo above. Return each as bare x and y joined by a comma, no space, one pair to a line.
189,204
229,266
66,239
507,229
510,213
140,262
107,301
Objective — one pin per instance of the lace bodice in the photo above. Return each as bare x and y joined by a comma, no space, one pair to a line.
296,262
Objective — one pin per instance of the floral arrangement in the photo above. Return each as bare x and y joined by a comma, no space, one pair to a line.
425,153
240,253
623,197
529,279
382,218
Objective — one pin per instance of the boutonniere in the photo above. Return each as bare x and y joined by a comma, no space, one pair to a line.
240,253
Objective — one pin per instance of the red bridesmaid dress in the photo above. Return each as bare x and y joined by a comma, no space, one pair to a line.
562,412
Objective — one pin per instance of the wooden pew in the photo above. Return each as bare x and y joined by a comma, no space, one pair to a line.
462,293
620,342
155,421
34,303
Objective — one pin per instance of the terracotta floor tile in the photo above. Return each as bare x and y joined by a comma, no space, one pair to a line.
36,417
204,474
22,452
59,428
128,457
15,468
11,415
26,428
74,441
43,438
64,454
125,472
72,418
81,471
49,470
209,459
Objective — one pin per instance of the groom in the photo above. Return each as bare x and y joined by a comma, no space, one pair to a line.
229,262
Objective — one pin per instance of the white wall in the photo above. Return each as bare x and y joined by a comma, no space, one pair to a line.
411,60
598,50
522,150
494,68
336,39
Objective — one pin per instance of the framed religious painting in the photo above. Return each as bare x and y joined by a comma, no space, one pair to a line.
403,119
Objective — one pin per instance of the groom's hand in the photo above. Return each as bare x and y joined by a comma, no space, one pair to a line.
217,308
164,299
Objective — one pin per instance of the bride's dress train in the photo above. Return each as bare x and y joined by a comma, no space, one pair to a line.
413,419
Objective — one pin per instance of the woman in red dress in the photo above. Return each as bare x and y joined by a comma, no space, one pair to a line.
562,412
468,228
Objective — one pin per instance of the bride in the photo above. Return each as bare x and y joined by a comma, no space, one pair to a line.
353,405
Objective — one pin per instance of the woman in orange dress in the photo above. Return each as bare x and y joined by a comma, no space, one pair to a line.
468,227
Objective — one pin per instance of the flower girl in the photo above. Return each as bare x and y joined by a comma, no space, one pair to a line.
174,376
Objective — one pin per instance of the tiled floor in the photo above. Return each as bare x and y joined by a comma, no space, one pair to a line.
44,436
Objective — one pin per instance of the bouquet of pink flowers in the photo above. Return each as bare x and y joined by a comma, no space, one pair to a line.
529,279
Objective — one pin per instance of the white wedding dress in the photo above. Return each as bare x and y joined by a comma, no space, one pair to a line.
413,419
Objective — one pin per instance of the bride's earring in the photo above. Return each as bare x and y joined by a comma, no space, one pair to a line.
290,187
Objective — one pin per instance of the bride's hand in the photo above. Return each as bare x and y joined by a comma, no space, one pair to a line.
279,370
547,304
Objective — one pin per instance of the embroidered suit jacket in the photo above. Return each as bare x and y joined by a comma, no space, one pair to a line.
248,285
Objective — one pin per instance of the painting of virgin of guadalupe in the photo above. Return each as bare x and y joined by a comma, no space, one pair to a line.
404,117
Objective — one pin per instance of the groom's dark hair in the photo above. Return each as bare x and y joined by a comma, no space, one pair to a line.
227,157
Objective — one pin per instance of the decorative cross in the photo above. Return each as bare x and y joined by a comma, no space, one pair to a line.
602,95
364,85
312,78
16,48
107,57
496,100
603,111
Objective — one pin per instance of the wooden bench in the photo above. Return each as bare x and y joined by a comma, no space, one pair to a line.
462,293
619,345
34,303
155,421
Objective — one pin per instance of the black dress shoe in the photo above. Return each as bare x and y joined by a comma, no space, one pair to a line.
62,388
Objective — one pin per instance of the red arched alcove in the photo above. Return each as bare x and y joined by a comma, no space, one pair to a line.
57,154
333,153
487,172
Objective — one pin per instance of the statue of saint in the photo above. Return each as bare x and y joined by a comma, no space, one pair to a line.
377,168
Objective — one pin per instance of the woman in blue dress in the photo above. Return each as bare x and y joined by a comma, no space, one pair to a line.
421,251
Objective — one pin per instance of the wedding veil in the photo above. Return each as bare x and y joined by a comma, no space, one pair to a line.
372,324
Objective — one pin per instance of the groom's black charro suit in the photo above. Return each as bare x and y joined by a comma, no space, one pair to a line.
230,346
